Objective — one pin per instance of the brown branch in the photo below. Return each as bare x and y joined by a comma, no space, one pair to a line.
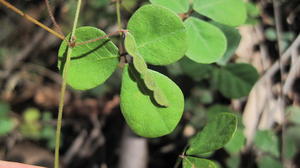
53,18
31,19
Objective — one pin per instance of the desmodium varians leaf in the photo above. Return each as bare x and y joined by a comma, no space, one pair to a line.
269,161
91,64
237,142
131,48
236,80
207,43
229,12
159,34
252,13
214,135
233,38
178,6
141,66
267,141
144,116
195,70
193,162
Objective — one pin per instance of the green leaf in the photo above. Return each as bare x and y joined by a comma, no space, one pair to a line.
236,143
267,161
31,130
252,13
6,125
290,149
178,6
141,67
160,97
193,162
131,48
195,70
216,109
98,3
233,38
270,34
91,64
4,109
267,142
233,161
229,12
129,5
214,135
207,43
159,34
47,116
235,80
31,115
142,113
294,114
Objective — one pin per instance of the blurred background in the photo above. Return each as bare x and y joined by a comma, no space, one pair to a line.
94,133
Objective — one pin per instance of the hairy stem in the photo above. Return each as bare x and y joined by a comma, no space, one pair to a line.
63,87
53,18
119,15
31,19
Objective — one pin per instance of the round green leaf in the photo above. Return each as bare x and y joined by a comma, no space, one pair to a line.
268,161
142,113
4,109
193,162
229,12
214,135
233,38
159,34
294,114
91,64
236,143
207,43
195,70
236,80
267,141
31,115
6,125
131,47
178,6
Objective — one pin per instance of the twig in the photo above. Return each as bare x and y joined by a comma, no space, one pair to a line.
284,58
119,15
31,19
53,18
294,71
281,103
75,147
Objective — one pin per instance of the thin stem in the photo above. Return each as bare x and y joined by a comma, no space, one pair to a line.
181,157
63,87
119,15
31,19
53,18
102,37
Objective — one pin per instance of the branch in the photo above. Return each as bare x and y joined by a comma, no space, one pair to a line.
31,19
